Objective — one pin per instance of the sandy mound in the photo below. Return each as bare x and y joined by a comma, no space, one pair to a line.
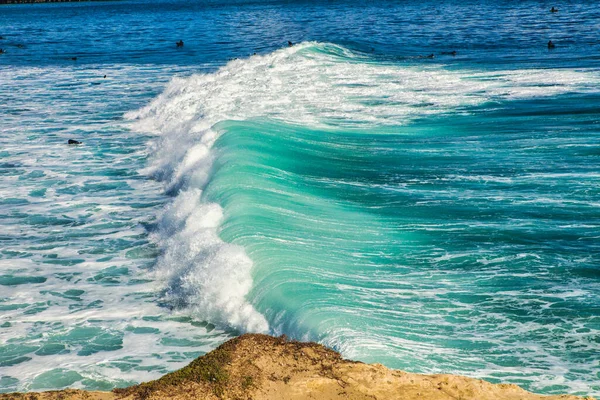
262,367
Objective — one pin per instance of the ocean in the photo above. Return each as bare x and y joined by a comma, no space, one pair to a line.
365,188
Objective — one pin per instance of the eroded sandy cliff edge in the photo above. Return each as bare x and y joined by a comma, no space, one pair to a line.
262,367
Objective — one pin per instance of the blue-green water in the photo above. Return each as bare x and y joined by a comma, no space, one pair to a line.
431,214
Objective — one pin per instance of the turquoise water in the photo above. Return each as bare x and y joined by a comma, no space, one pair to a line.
433,215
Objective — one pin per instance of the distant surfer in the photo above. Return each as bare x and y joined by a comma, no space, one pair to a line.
290,44
180,43
74,58
553,10
430,56
551,45
73,141
1,51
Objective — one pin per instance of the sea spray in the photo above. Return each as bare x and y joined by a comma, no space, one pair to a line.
201,272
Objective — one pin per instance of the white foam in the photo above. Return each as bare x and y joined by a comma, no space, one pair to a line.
50,105
299,85
201,271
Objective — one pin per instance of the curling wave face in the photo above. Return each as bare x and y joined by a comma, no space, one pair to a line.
427,218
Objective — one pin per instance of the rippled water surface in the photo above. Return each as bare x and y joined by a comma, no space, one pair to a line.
435,214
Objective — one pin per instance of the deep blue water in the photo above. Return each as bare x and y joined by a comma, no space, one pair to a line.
431,214
143,32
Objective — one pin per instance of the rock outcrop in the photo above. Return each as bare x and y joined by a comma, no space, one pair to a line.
262,367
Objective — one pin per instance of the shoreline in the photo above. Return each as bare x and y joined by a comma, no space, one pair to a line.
262,367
